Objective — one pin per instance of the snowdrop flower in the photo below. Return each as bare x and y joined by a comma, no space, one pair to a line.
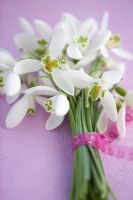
57,105
81,45
27,40
113,44
33,45
79,34
30,42
12,83
26,105
125,100
9,79
102,92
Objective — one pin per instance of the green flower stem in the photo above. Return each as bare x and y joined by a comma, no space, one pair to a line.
88,178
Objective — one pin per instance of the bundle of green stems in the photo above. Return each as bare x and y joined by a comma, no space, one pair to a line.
88,177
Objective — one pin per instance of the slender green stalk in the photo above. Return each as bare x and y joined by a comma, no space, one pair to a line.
88,177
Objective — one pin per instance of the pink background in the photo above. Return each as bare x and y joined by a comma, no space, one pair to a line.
36,164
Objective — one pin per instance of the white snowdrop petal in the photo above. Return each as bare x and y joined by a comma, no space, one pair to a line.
42,90
121,121
27,66
4,67
85,61
104,52
32,104
53,121
43,29
58,42
73,52
105,21
118,66
12,84
71,27
40,100
70,17
62,81
61,105
129,99
102,124
26,26
79,78
89,27
45,80
12,99
99,42
26,42
112,76
6,59
123,53
109,105
17,112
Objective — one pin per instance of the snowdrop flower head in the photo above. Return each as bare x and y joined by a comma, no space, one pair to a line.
113,43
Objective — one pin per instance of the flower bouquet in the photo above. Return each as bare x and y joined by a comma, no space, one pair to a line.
71,69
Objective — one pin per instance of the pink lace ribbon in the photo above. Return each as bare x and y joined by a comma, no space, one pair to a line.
105,142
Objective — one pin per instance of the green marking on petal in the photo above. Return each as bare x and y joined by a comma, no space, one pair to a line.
48,105
30,111
32,84
95,92
114,42
82,40
97,65
49,64
42,42
40,52
1,81
119,105
103,93
63,61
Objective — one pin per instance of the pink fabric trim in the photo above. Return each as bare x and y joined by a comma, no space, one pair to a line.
103,143
106,142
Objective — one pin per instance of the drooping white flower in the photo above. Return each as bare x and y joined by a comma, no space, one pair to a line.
109,78
79,34
126,100
57,105
122,102
107,100
103,121
12,85
29,41
10,80
26,105
82,46
26,40
19,111
113,44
